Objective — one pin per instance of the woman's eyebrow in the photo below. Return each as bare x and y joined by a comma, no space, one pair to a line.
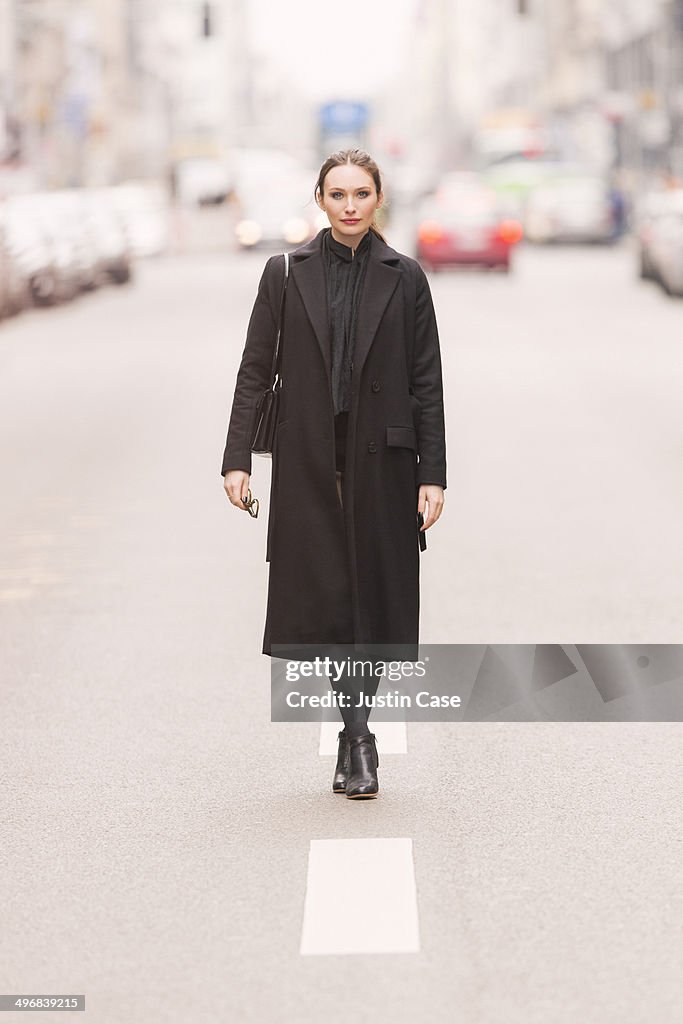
338,188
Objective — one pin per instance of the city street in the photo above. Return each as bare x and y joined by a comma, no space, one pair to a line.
162,838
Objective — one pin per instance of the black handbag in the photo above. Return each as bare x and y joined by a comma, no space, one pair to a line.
269,402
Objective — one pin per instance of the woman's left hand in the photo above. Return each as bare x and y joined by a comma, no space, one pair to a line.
430,495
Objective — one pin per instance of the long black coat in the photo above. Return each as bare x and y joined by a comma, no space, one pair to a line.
345,574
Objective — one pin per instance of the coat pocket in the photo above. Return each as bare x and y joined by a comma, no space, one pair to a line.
402,437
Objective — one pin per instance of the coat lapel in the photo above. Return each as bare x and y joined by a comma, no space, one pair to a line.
308,272
382,274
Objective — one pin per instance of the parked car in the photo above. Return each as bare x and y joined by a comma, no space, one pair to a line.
55,244
108,233
660,240
464,223
648,208
31,250
63,217
14,290
570,208
144,211
203,180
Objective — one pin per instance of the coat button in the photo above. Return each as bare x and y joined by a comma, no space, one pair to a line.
372,447
375,385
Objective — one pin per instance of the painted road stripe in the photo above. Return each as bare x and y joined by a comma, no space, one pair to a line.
391,737
360,898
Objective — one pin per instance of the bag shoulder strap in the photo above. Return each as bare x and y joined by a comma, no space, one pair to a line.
277,358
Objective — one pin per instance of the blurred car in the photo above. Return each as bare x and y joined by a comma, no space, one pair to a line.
14,290
55,244
144,212
107,230
514,180
570,208
660,239
203,180
62,216
463,224
281,215
31,250
648,207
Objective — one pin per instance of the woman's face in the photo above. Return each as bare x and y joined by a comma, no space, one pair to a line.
350,202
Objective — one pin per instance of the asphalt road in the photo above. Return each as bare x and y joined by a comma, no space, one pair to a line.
157,826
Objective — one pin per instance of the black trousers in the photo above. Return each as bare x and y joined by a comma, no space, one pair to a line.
352,687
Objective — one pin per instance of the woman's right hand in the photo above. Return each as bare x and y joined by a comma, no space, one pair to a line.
236,484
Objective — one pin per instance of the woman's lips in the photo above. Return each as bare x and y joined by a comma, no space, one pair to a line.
352,221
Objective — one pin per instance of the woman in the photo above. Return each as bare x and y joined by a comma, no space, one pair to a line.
361,403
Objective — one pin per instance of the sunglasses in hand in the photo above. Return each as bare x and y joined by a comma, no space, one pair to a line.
251,504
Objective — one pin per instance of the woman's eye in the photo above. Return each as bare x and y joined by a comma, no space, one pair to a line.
337,195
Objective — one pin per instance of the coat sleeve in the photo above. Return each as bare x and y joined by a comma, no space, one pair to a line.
427,385
254,374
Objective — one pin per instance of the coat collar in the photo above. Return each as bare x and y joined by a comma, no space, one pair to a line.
345,252
381,277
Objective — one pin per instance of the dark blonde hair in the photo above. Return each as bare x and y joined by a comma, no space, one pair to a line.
351,156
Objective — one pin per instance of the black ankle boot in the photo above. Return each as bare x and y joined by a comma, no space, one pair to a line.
363,765
341,772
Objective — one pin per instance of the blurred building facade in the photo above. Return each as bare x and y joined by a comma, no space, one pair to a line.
644,83
190,62
71,103
98,91
595,81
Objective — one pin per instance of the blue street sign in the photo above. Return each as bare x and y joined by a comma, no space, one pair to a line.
343,117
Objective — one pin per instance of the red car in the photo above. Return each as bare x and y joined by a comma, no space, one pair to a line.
466,226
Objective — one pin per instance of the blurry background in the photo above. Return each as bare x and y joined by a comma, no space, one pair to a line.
138,127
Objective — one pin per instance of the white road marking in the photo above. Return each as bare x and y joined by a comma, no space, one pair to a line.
360,897
391,737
